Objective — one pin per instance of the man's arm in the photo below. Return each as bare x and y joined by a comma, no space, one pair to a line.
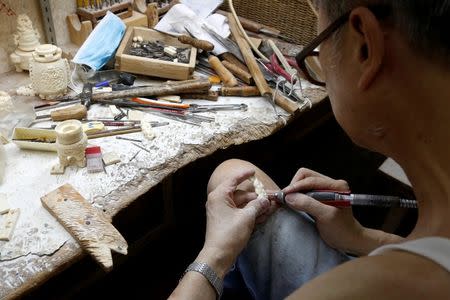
194,285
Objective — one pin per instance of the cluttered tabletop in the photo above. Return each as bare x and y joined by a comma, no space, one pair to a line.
85,136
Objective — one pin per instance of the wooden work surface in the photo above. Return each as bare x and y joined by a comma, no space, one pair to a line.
41,247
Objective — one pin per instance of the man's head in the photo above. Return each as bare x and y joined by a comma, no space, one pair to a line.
371,59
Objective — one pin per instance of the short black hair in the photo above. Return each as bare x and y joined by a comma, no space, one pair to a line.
425,23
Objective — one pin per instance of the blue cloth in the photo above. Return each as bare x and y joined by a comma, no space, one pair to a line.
102,43
282,255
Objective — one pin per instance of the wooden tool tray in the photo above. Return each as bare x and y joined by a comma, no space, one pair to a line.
122,10
151,66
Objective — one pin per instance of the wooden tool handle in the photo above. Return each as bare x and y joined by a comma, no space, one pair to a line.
166,8
188,86
243,91
211,96
252,25
250,60
285,103
200,44
76,112
226,76
238,72
232,59
152,15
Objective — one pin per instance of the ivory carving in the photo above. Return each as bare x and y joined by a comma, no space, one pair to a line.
71,143
26,40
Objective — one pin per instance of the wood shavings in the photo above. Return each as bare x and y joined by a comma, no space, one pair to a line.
259,187
9,223
4,205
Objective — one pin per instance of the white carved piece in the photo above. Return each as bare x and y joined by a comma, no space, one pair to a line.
26,40
111,158
259,187
71,143
49,73
9,224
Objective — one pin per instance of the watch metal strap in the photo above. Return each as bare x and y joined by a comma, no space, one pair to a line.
209,274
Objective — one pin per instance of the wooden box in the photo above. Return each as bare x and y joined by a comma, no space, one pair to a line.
150,66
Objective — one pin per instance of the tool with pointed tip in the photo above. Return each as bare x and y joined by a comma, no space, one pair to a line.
346,199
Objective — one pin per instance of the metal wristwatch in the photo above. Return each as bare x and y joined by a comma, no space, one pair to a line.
209,274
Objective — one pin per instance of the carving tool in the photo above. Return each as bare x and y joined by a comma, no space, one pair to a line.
232,59
140,147
259,28
128,139
229,44
200,44
75,112
242,91
191,107
238,72
346,199
211,96
257,74
225,75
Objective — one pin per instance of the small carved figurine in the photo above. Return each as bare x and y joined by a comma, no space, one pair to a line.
71,142
26,40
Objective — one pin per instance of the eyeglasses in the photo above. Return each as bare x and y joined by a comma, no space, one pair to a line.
307,59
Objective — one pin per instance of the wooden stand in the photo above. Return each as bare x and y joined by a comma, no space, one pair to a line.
123,10
80,30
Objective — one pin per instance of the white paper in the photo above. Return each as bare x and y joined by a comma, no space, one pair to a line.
180,17
202,8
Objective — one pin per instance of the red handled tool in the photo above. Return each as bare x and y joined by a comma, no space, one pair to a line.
347,199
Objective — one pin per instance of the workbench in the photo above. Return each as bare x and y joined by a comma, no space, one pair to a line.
41,247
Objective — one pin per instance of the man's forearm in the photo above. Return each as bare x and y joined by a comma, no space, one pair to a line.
194,285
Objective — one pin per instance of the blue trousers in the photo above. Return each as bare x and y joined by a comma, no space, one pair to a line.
282,255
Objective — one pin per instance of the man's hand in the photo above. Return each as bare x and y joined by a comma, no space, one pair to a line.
231,217
337,226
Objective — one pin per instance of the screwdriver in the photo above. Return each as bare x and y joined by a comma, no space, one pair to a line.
75,112
346,199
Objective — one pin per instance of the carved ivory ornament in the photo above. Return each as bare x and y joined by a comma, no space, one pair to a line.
26,40
71,142
49,73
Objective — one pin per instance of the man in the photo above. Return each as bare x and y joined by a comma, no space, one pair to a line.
387,70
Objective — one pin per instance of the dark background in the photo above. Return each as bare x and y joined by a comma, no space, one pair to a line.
155,264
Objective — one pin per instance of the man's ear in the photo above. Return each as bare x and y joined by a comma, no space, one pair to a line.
369,40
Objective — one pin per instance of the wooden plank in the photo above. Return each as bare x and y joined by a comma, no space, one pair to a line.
90,227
